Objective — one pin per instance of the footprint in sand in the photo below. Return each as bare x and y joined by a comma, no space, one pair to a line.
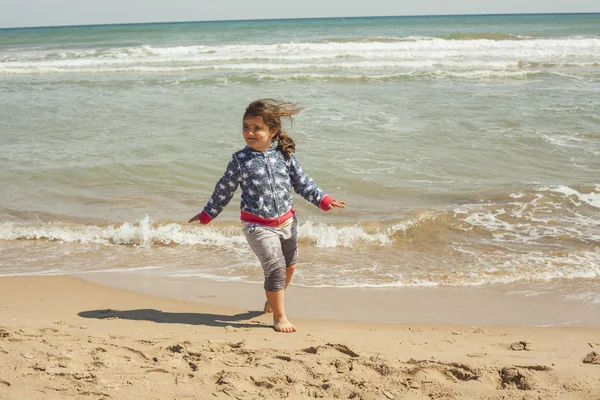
592,358
521,346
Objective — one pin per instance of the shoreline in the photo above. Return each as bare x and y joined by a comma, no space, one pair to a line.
519,304
64,337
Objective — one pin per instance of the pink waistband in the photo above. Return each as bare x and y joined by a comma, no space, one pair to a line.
247,217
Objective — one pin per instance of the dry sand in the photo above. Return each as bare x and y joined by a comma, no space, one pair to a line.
62,337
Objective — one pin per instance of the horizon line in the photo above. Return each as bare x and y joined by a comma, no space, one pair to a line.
292,19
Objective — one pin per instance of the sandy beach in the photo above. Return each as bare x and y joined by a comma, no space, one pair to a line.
64,337
465,146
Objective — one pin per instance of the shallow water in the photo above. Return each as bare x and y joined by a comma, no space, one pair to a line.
466,147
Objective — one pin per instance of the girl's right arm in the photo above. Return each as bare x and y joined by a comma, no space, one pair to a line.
224,190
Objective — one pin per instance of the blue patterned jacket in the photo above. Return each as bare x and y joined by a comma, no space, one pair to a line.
266,179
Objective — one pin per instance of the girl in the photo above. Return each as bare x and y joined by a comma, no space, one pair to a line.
266,169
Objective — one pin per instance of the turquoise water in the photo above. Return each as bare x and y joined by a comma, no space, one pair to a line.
466,147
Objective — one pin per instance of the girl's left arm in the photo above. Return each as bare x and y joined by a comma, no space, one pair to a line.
306,187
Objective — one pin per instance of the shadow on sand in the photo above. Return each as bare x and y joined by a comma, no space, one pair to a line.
161,317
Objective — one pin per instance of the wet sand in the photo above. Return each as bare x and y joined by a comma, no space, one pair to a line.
558,303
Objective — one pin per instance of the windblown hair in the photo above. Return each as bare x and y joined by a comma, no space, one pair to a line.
271,111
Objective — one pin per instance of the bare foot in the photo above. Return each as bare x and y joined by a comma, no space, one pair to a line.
283,325
268,309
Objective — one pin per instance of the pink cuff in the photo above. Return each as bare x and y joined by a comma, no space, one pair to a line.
325,202
204,218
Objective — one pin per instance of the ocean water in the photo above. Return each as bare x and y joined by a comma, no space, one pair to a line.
467,148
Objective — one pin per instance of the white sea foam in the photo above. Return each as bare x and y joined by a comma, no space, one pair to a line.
147,232
144,232
542,218
330,236
451,56
592,198
300,50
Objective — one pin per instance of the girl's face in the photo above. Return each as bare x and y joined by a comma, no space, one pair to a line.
256,133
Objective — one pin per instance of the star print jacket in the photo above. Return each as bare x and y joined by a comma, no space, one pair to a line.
266,179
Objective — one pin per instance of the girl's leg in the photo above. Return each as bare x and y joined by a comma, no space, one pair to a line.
289,248
275,304
266,244
289,273
280,321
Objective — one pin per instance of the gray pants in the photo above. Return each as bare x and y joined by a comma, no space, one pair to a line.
276,249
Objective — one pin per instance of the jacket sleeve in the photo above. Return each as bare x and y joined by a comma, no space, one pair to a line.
306,187
224,190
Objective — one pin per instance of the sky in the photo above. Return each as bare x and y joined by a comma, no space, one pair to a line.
21,13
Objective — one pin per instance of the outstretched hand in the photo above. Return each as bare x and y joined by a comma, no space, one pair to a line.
195,218
337,204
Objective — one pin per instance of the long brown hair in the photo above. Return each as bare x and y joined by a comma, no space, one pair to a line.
271,111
